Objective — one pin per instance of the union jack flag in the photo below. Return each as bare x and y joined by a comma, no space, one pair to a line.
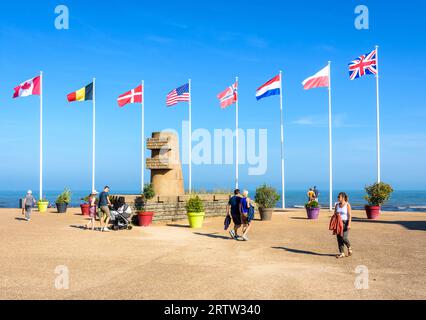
364,65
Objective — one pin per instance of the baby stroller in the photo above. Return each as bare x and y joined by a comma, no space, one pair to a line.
121,215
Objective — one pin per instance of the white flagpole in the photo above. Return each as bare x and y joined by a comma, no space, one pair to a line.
94,134
237,158
282,144
330,124
41,136
190,138
143,137
378,119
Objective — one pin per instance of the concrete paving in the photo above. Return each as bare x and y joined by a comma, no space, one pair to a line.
287,258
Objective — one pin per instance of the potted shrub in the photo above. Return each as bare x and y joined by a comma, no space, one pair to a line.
63,200
42,205
85,206
312,210
266,198
145,217
377,195
195,212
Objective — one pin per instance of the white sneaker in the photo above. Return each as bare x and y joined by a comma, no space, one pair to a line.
105,229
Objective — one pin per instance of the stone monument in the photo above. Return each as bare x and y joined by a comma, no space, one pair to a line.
165,165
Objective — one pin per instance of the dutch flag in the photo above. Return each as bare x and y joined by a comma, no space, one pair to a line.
270,88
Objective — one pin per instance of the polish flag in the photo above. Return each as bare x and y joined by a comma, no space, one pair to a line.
132,96
28,88
319,80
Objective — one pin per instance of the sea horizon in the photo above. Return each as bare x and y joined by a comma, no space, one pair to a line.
401,200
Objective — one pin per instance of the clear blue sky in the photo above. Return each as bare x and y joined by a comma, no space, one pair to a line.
165,43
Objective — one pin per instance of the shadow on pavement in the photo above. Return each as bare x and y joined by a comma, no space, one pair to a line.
20,219
409,225
304,252
178,226
78,227
213,235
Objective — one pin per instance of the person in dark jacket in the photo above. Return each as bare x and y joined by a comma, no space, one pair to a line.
233,210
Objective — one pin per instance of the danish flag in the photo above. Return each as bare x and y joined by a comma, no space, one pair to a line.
132,96
364,65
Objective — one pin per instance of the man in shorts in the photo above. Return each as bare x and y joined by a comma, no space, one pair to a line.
104,204
233,210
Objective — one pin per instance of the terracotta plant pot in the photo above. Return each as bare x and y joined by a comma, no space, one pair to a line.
373,212
313,213
145,218
266,214
85,207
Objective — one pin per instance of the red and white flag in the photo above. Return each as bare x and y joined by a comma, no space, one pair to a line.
229,96
132,96
319,80
28,88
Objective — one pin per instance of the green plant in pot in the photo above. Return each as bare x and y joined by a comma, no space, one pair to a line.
377,195
266,198
195,211
145,217
63,200
312,210
42,205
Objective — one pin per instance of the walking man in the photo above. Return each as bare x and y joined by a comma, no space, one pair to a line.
27,205
233,210
104,204
316,193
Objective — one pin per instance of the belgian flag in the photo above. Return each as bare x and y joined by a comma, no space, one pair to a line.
84,94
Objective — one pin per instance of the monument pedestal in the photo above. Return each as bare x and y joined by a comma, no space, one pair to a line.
165,165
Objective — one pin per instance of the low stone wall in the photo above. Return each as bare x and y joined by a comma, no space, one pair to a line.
173,208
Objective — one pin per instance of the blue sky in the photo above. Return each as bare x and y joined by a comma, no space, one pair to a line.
212,42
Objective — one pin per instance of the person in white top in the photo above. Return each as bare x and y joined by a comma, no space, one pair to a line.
343,208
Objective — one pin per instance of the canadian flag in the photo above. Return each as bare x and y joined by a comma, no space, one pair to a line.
318,80
28,88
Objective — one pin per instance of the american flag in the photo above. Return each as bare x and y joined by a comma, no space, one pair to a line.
364,65
180,94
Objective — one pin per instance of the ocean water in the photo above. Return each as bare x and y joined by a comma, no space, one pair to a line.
400,201
410,201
